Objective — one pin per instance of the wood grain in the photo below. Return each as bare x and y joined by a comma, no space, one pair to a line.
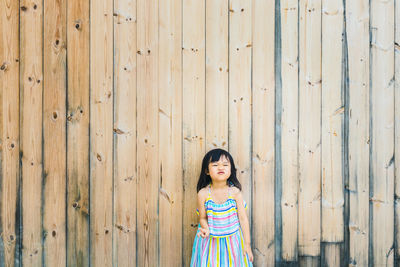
358,141
78,112
193,115
125,147
289,128
10,235
310,128
54,132
31,104
147,133
170,138
101,132
263,127
382,132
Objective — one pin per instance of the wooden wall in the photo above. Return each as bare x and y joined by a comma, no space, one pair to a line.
107,108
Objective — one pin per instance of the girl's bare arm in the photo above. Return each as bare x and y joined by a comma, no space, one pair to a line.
244,222
202,210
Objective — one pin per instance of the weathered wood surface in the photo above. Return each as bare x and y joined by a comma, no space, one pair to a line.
382,133
397,131
332,122
263,128
358,134
31,131
148,167
101,133
170,139
78,133
217,74
125,156
193,116
309,129
9,133
54,132
107,108
289,67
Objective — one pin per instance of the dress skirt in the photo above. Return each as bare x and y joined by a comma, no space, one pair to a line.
219,251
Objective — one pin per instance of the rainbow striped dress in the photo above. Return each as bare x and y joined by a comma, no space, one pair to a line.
224,246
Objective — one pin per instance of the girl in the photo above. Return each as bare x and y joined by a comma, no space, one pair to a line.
219,240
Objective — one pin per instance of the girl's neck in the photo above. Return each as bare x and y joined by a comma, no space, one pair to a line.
219,185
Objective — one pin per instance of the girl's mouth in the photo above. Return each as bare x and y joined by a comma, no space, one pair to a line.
221,173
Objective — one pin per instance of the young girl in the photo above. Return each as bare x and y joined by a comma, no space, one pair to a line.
220,240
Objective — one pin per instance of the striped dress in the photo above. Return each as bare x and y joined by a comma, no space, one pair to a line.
224,246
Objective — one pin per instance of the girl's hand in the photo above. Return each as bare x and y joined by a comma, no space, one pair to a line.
247,249
203,232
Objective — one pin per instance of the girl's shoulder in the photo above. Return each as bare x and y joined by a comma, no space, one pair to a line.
234,191
203,193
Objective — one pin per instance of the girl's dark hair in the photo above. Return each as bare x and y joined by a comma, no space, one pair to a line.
213,156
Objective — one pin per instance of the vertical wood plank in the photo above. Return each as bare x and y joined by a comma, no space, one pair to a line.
193,124
330,254
382,132
147,133
9,133
125,165
289,128
263,153
101,132
170,138
357,35
240,49
78,133
397,131
310,128
309,261
332,122
217,119
54,132
31,71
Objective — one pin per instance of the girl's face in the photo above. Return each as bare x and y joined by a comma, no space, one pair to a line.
220,170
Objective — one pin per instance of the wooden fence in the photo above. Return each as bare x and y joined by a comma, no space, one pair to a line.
107,108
